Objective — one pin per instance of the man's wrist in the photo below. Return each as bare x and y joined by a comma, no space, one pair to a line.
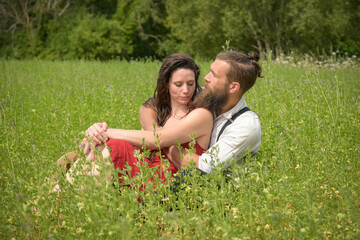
189,158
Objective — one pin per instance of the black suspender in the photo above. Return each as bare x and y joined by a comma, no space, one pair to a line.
245,109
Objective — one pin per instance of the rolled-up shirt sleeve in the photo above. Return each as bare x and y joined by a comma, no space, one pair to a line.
239,138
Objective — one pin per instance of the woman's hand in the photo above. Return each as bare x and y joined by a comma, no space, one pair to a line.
97,132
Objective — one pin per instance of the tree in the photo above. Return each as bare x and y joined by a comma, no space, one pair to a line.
144,22
317,25
25,20
197,25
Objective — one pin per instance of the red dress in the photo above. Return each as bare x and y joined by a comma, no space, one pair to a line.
122,152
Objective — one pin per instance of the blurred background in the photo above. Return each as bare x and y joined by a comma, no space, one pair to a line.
132,29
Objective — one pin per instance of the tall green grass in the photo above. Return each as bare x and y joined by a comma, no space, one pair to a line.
304,183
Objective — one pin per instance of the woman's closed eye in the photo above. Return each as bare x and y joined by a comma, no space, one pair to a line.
180,84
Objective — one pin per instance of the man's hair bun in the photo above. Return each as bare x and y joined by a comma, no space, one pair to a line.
254,56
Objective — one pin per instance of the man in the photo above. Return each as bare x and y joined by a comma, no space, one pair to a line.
232,74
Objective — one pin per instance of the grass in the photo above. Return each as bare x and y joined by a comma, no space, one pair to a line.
304,184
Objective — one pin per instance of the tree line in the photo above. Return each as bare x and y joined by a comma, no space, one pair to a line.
108,29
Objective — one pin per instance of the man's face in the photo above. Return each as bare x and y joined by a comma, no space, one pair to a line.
216,79
216,93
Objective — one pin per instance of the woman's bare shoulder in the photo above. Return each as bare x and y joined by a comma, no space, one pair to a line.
201,111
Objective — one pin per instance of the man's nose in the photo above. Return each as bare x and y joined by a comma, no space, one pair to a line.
207,77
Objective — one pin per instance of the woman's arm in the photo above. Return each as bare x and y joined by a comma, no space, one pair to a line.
198,121
148,118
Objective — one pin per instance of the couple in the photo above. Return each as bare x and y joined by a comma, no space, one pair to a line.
180,110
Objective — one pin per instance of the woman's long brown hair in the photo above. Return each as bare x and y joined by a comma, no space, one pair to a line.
161,101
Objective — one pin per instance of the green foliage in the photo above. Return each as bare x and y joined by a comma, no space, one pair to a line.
144,20
142,28
197,24
304,183
331,18
87,36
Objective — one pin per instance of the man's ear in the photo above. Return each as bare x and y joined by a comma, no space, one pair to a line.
234,87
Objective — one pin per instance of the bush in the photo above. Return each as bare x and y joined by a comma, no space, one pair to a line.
87,37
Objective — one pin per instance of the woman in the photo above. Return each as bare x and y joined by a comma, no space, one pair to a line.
176,88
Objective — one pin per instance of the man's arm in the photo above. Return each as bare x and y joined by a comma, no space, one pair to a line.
243,135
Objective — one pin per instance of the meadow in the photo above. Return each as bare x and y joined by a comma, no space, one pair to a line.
304,183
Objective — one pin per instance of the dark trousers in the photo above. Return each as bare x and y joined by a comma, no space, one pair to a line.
179,179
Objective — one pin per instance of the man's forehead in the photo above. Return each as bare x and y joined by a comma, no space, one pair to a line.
219,66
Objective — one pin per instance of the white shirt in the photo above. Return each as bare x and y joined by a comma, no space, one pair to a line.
240,137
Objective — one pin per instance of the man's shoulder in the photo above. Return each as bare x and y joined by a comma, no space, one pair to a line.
248,119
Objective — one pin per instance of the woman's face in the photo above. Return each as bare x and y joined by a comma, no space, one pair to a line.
182,86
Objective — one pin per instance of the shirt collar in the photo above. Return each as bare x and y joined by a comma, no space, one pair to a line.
240,105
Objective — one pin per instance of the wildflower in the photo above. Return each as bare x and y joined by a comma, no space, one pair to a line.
33,145
267,227
235,211
5,100
19,195
254,106
317,71
31,154
68,114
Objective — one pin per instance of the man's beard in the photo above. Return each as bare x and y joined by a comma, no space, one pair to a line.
213,101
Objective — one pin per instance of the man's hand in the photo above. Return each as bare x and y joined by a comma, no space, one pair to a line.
98,132
174,156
